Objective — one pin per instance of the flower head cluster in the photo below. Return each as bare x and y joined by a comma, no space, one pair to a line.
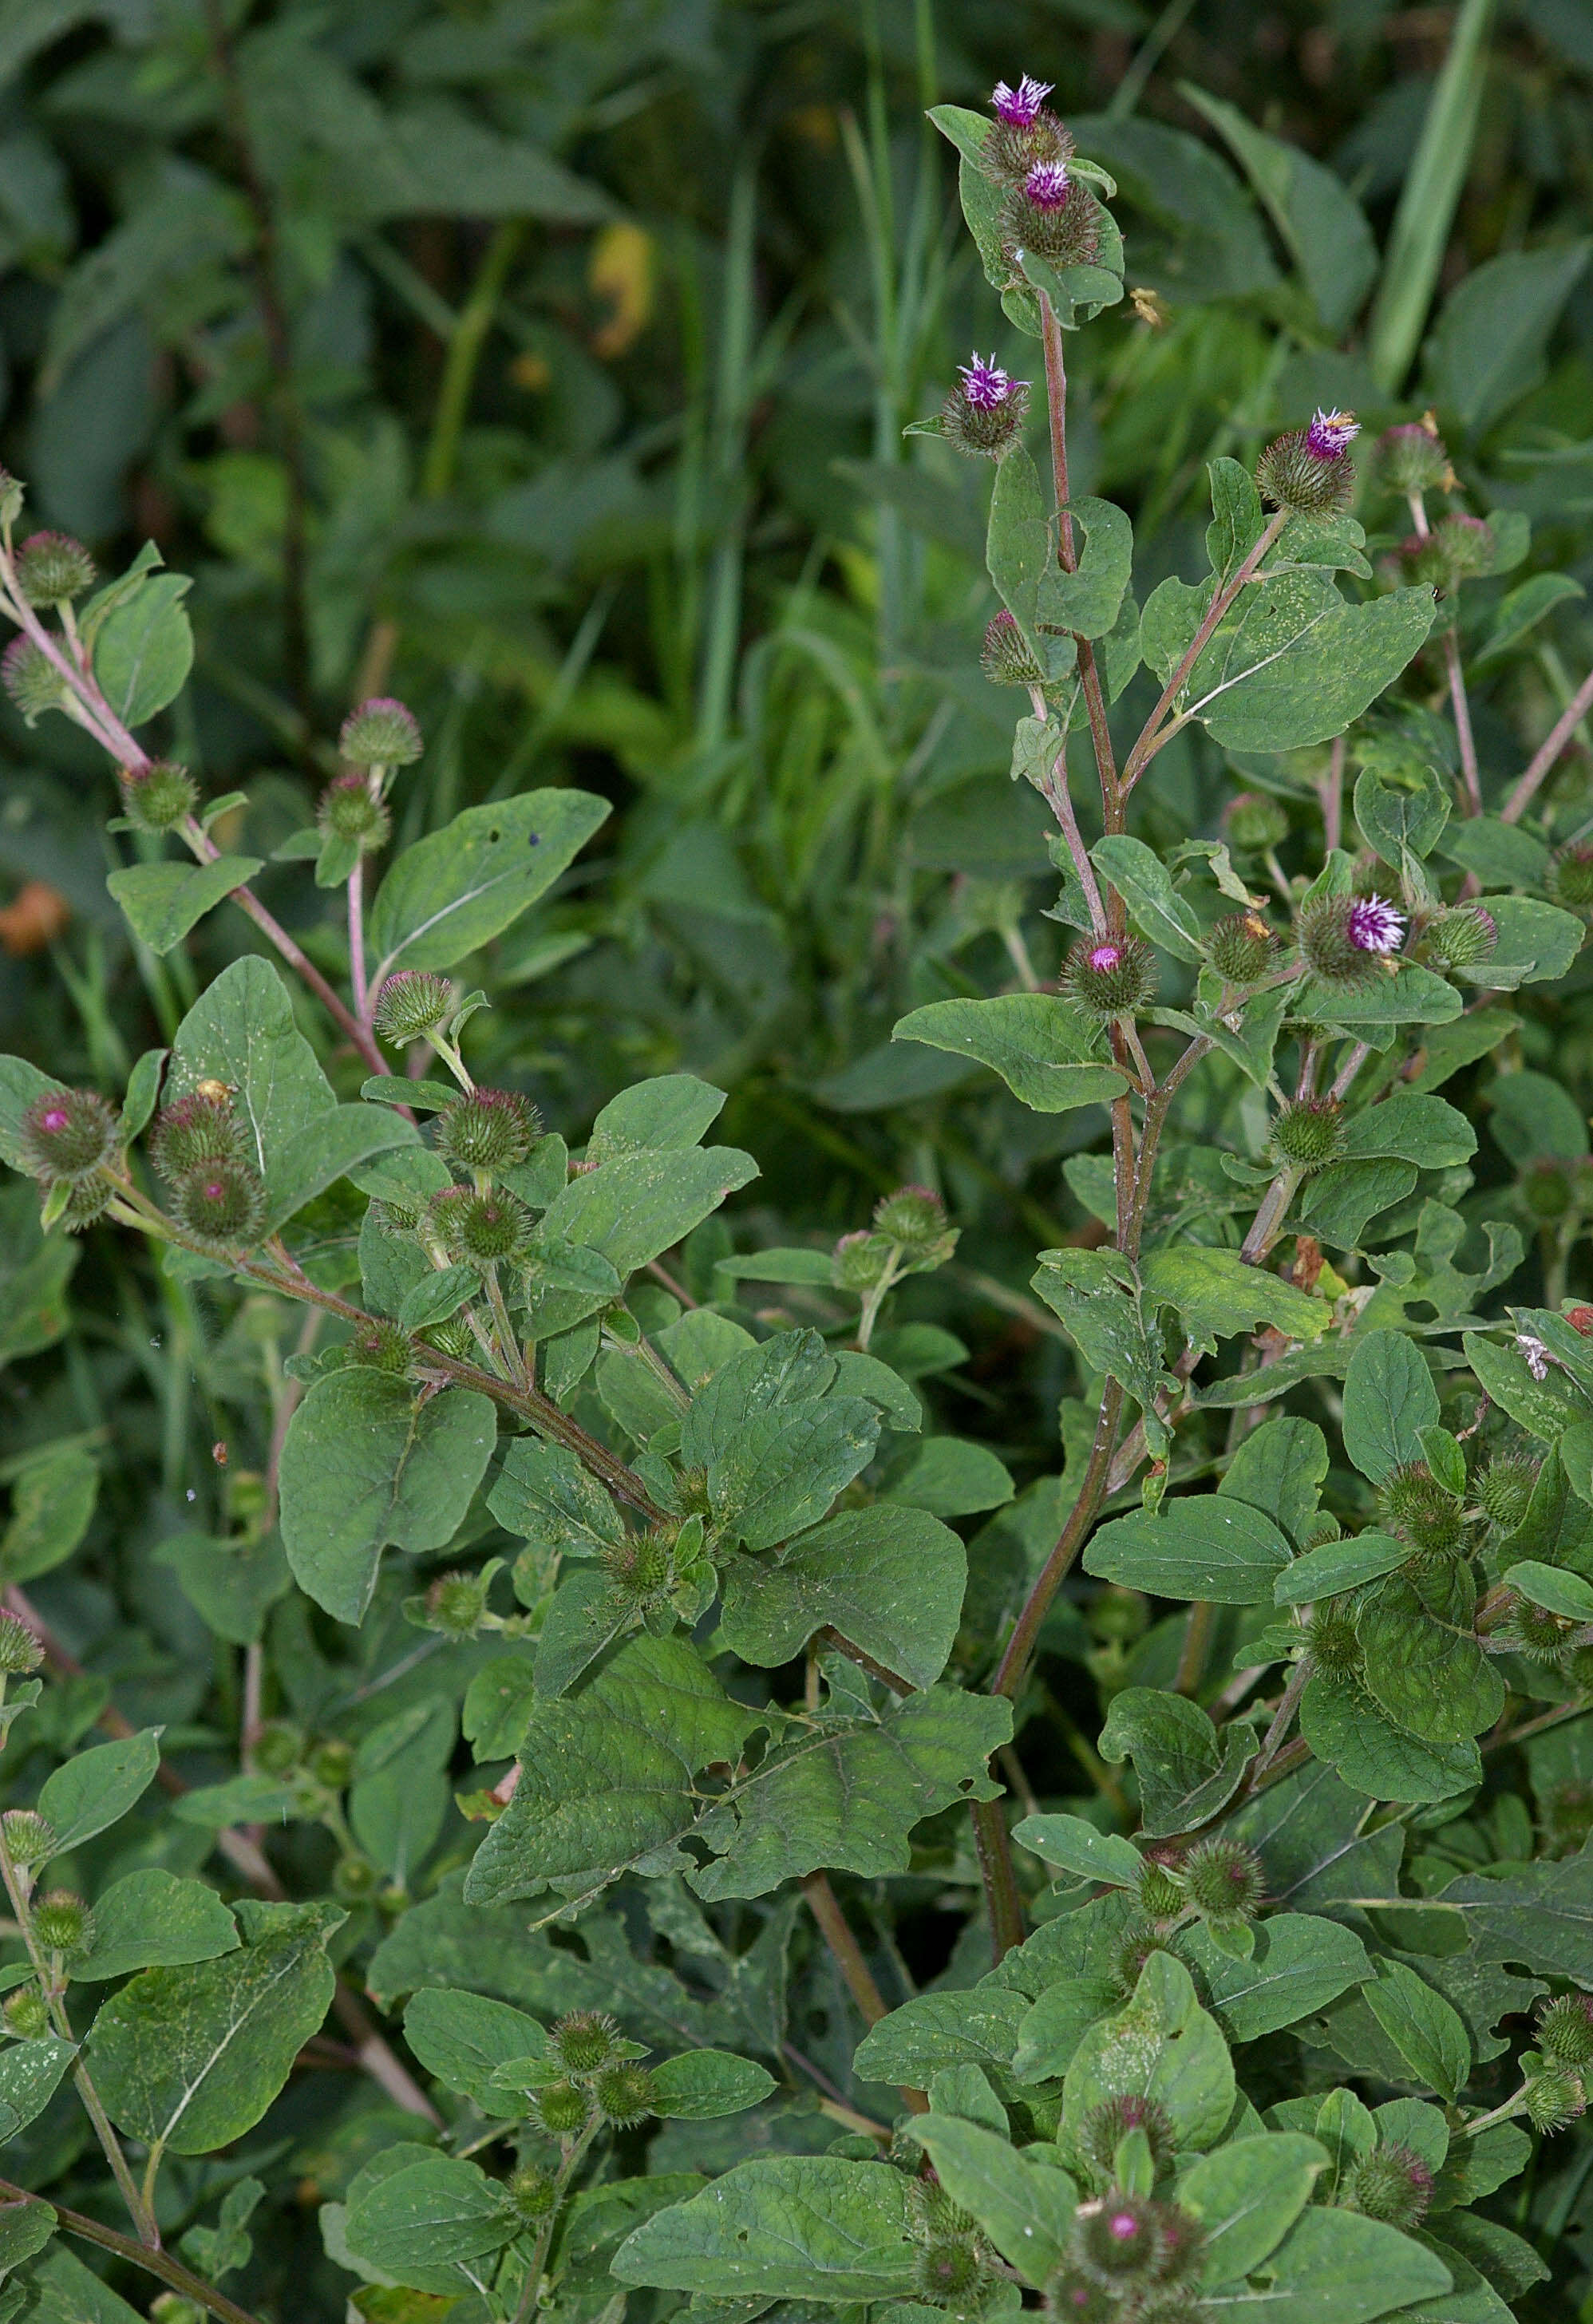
1129,2256
1025,132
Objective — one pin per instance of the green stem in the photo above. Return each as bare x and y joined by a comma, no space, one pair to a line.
464,357
569,2166
1158,730
1197,1645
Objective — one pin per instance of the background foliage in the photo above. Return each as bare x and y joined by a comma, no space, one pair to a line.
547,365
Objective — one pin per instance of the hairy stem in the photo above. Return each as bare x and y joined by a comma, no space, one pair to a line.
1156,731
1559,735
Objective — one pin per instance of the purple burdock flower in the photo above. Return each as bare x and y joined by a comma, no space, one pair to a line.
985,384
1019,107
1106,956
1374,925
1330,433
1046,185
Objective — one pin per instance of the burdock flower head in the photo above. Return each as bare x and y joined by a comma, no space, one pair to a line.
1024,132
1005,657
1112,977
1342,939
984,413
1412,458
1309,472
1460,547
1049,213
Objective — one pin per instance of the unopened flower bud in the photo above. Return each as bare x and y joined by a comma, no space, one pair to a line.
641,1566
355,1879
1565,2029
382,732
860,1259
1569,880
221,1204
1242,948
30,679
1460,936
1005,657
586,2042
1412,458
488,1228
69,1133
1554,2099
1504,1488
913,1215
1331,1640
1161,1893
331,1762
1106,2126
1393,2183
52,568
19,1649
625,2094
412,1001
1307,1134
455,1604
194,1130
350,809
379,1345
30,1840
532,2192
160,795
25,2012
60,1922
945,2273
279,1748
1416,1507
1254,820
1112,976
1118,2239
561,2108
1223,1879
488,1130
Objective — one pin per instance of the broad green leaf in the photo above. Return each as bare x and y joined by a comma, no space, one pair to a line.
20,1083
1299,1964
1487,349
847,1796
1518,613
398,1801
1186,1772
1428,2034
1216,1295
1432,1679
889,1580
1088,601
30,2074
1530,1115
1198,1546
1388,1396
1096,1295
163,901
1350,1731
1246,2196
785,1465
1537,943
1077,1847
1501,855
937,2031
242,1031
951,1477
1237,516
144,650
1320,222
365,1465
1145,886
25,2229
637,1203
1044,1049
1163,2046
231,1585
1332,2267
1404,1128
605,1775
96,1789
1280,1469
1401,817
789,2227
666,1115
1413,995
1025,2208
194,2056
1552,1588
463,2038
449,894
1544,1408
151,1919
417,2223
1539,1913
1290,663
52,1502
1337,1566
1020,547
546,1495
701,2085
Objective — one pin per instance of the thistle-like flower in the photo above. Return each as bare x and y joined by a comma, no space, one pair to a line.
1374,925
1048,185
1005,657
984,413
1330,434
1021,107
1112,978
1412,458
